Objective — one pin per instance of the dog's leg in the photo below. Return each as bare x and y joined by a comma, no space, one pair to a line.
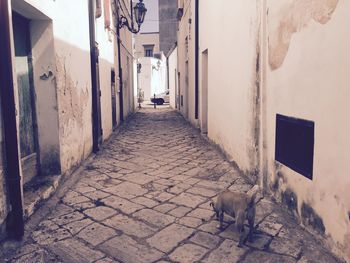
217,215
221,220
251,218
240,227
216,210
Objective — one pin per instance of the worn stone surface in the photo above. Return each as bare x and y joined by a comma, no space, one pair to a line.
285,246
206,240
145,198
74,251
170,237
155,218
189,200
96,234
226,252
260,256
100,213
128,250
188,253
130,226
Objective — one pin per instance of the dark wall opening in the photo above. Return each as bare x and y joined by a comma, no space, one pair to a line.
295,144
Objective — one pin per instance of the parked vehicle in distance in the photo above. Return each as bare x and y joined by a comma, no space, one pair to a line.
161,98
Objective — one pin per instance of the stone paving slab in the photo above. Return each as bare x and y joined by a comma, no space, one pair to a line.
145,198
127,250
74,251
168,238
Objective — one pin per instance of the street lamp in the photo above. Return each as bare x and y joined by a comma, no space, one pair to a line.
139,11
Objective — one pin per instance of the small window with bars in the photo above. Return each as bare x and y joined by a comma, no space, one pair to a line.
148,50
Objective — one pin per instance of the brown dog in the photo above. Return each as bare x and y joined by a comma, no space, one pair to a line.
240,206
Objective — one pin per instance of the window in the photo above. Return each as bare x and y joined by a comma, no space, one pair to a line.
295,144
148,50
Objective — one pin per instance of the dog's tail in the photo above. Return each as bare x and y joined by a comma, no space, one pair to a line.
252,194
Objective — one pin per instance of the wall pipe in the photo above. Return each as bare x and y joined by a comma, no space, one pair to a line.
196,91
15,222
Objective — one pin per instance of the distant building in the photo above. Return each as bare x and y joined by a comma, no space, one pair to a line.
146,44
167,24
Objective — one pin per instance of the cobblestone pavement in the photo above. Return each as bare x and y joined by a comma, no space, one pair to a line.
145,198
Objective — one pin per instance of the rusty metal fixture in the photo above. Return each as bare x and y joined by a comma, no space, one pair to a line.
139,12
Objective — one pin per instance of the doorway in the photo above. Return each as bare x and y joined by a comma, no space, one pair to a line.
187,89
204,95
114,99
27,116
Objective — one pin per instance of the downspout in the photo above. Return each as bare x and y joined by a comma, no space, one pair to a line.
15,223
120,69
121,106
94,88
196,91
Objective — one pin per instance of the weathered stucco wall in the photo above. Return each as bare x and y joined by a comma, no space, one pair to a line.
172,62
308,77
104,39
72,76
127,61
152,78
232,77
186,60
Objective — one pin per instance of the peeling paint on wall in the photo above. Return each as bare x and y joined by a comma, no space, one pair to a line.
296,16
73,101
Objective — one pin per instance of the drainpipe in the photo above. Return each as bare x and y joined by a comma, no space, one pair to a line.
196,91
121,106
94,87
15,224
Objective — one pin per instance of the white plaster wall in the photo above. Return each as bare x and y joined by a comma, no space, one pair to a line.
104,38
135,79
186,55
72,76
145,77
152,80
127,70
231,76
308,77
172,62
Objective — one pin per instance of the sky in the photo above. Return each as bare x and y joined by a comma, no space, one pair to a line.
151,23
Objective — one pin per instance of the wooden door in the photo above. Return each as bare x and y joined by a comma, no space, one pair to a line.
114,99
27,116
204,93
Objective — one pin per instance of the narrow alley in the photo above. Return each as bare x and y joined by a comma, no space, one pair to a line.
145,198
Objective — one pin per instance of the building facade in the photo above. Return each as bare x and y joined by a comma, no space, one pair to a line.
146,44
173,77
186,58
272,90
167,24
65,73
